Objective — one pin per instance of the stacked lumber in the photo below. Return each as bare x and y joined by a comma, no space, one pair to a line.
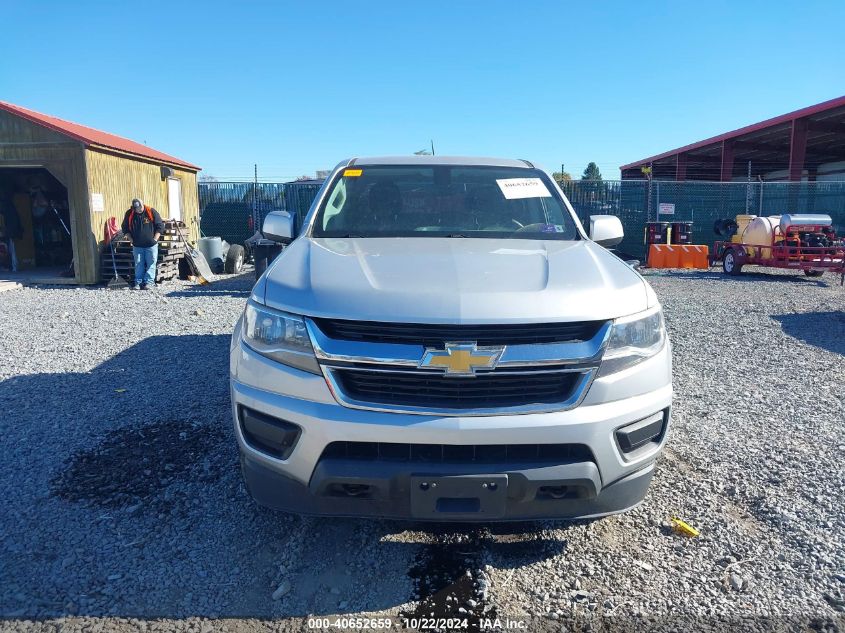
171,250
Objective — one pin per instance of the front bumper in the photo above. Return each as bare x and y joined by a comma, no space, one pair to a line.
394,483
306,482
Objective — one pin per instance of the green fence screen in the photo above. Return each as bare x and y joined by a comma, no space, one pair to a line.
636,202
226,207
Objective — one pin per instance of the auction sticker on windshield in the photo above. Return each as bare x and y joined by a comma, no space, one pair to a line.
516,188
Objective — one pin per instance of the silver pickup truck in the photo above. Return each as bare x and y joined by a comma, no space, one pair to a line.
443,341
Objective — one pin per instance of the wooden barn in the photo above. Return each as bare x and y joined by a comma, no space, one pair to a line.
60,182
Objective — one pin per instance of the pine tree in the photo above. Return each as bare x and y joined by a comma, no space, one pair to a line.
592,173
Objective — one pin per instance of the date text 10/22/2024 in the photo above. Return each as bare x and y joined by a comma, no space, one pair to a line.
414,623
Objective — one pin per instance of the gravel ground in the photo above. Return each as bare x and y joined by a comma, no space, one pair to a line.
124,508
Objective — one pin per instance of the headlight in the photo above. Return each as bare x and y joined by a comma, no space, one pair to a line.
632,340
280,336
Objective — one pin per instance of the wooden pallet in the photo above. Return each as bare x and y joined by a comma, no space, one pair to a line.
124,247
165,272
171,251
128,257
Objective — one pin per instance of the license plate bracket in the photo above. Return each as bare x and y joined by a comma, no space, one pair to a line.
458,496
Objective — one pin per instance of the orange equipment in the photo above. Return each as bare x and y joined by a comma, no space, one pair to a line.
678,256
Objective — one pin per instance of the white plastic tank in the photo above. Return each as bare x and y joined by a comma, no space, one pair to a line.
212,248
761,232
798,219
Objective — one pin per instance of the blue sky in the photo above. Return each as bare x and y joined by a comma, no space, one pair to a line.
295,89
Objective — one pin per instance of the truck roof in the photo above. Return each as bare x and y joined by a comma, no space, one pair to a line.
439,160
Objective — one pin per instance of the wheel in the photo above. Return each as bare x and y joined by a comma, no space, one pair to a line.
234,259
730,263
813,273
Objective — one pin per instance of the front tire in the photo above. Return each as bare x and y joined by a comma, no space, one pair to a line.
730,263
234,259
813,273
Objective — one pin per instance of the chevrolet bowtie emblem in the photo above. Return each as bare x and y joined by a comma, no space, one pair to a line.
461,359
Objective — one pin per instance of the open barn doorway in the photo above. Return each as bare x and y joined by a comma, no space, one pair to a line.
35,228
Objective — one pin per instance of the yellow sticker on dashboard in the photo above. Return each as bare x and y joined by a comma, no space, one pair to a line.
353,172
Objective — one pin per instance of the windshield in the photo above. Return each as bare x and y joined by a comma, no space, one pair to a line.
443,201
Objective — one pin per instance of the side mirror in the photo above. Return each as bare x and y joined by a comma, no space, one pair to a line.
279,226
606,230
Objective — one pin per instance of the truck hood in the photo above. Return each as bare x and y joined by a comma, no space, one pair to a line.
452,280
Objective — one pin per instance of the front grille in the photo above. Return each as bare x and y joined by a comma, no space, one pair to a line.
491,390
462,453
434,335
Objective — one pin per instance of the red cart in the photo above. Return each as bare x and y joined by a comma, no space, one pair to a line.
813,248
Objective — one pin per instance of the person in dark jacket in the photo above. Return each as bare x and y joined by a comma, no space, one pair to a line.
143,225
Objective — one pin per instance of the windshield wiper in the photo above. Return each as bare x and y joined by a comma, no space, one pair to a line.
456,235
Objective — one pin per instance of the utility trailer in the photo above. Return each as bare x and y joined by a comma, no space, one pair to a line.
262,251
793,242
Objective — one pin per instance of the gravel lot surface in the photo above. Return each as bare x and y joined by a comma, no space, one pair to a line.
124,509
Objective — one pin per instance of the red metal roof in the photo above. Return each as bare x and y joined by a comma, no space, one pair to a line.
784,118
90,136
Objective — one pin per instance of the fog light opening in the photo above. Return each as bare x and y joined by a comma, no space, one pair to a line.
267,434
642,434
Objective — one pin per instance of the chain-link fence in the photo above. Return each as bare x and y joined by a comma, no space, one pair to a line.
226,208
299,196
638,201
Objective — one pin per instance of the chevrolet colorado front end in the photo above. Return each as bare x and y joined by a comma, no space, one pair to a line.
443,341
